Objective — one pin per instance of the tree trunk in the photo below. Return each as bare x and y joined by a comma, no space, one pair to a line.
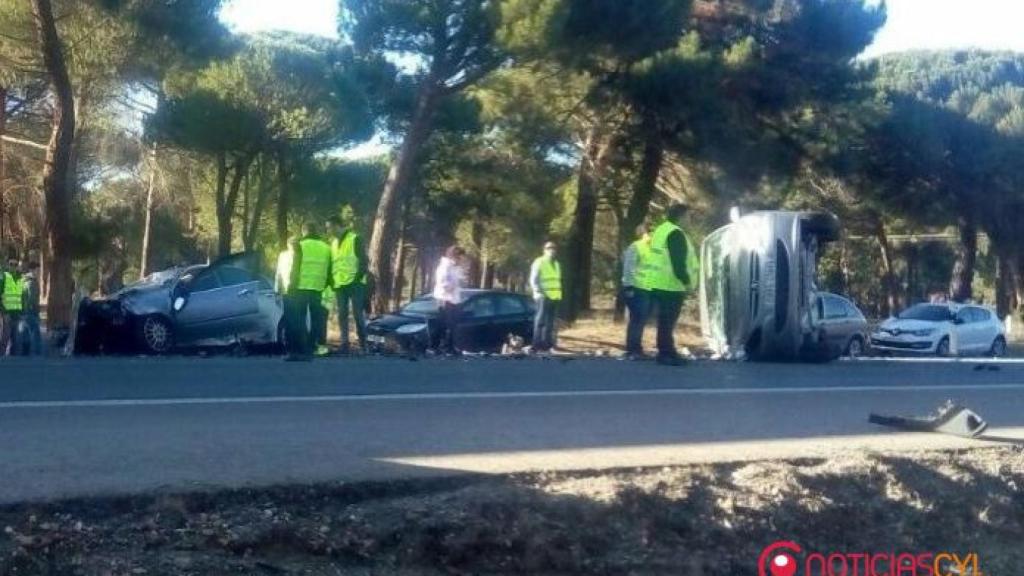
415,276
960,285
3,170
889,304
476,264
399,273
386,225
223,216
147,231
227,201
282,200
56,170
578,257
262,192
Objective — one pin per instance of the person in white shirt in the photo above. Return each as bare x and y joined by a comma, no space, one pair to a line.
449,279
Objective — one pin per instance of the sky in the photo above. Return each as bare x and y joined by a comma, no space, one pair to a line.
912,24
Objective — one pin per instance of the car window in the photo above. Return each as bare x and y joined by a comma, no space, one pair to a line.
479,307
205,280
852,311
231,276
834,308
927,312
420,307
979,315
511,305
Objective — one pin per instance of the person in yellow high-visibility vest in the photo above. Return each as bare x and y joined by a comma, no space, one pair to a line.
636,290
674,271
546,283
310,276
350,267
11,288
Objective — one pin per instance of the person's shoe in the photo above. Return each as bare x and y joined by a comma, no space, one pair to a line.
671,360
322,351
635,356
345,349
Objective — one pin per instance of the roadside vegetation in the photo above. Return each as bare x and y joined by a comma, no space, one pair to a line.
135,135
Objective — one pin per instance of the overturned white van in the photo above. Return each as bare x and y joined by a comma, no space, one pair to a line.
757,286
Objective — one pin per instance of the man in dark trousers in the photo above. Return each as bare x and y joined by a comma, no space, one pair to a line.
674,272
350,266
310,276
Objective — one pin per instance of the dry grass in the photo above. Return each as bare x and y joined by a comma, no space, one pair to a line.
599,332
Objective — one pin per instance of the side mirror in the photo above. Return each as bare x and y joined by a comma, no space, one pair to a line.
179,303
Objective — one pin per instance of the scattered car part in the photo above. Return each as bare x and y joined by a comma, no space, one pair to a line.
950,418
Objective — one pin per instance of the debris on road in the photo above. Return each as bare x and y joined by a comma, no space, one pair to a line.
950,418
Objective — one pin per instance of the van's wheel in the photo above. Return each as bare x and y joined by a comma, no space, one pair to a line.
998,347
855,349
155,335
823,225
942,350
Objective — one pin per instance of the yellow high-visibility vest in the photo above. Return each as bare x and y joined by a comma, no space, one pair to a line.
316,261
13,289
344,260
663,276
644,271
550,278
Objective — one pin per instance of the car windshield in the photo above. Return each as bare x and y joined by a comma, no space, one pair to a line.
927,312
160,278
420,307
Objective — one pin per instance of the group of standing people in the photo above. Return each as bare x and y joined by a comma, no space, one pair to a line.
19,285
315,272
660,269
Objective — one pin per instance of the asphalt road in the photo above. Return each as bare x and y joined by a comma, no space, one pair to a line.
116,426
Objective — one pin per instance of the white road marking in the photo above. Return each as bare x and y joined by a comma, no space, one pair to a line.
128,402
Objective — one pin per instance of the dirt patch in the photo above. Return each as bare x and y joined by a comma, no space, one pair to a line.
679,520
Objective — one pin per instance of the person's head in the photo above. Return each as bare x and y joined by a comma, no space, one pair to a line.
676,212
32,267
550,248
335,225
642,231
13,265
310,228
454,253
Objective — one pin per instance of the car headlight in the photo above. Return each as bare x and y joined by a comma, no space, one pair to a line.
410,329
923,332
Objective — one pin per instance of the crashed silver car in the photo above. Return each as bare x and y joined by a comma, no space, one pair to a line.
224,303
757,286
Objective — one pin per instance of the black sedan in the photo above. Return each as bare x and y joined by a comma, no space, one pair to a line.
486,318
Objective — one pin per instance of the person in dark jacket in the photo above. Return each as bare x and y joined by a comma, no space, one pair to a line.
674,270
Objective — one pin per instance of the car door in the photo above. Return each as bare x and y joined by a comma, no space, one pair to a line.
512,318
241,291
965,326
205,309
476,324
983,330
835,322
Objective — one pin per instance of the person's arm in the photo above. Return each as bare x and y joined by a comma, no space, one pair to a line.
629,263
364,260
293,282
535,279
677,253
330,267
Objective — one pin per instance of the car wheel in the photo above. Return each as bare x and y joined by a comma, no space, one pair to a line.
943,348
823,225
155,335
855,349
998,347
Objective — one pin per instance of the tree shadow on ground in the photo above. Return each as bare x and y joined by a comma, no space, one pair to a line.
695,520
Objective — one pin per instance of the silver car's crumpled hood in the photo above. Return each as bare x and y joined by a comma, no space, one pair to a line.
909,325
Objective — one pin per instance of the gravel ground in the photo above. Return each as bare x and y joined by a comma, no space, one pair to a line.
682,520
